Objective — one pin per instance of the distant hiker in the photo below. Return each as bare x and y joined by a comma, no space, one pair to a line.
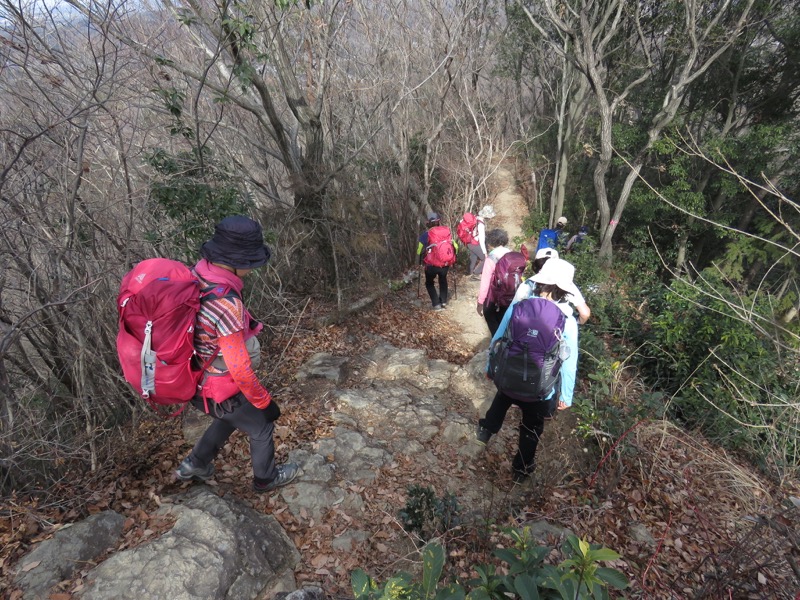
576,239
225,331
471,231
437,251
553,238
526,290
501,276
533,362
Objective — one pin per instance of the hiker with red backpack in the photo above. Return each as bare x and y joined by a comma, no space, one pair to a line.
437,251
224,336
471,230
501,276
533,362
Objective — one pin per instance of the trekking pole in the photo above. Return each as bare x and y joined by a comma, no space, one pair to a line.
419,280
455,286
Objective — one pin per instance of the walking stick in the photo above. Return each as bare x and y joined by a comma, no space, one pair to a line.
419,279
455,286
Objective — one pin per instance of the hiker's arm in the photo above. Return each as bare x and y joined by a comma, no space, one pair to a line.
486,278
584,312
579,302
569,367
501,329
524,291
482,238
237,360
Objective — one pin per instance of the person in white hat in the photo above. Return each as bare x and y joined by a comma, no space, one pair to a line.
554,283
525,290
487,212
562,235
553,238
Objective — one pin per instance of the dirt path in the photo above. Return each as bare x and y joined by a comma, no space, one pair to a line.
510,207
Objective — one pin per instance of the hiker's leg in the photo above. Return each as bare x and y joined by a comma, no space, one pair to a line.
430,276
254,423
476,259
214,438
496,414
492,317
443,284
530,430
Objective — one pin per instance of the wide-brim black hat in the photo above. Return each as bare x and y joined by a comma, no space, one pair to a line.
238,242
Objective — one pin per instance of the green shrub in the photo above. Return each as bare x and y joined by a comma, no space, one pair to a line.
730,373
427,515
579,576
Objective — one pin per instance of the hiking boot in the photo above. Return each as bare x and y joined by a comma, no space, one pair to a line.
438,307
187,471
286,474
483,435
518,477
444,304
475,277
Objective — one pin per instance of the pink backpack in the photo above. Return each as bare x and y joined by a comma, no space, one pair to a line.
440,251
466,229
158,304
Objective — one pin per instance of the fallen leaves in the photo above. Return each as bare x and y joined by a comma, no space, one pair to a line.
667,477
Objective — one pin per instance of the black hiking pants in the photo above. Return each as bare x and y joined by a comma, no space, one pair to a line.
530,428
493,314
431,273
238,413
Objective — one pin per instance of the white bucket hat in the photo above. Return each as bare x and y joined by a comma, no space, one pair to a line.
561,221
487,212
559,272
546,253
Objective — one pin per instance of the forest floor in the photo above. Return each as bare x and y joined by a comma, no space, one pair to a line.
689,520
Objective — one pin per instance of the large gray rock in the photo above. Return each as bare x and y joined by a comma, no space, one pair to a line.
388,363
356,457
218,548
393,409
70,549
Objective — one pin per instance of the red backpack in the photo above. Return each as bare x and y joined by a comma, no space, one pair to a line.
466,229
158,304
506,279
440,251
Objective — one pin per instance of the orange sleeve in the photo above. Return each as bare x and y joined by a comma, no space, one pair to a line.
239,366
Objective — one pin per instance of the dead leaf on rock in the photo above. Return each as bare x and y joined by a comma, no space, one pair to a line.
31,566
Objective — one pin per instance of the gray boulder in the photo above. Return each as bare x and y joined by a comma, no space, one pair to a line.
70,549
218,548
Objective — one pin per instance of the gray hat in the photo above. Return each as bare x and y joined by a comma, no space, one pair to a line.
487,212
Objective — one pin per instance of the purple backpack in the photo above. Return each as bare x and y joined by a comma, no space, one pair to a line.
506,279
524,364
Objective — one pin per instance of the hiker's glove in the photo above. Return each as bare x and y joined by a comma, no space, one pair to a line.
480,309
273,411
